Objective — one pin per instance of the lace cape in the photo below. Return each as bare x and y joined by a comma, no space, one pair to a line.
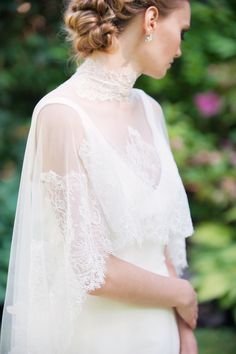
80,199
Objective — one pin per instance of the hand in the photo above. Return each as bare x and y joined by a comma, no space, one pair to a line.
189,310
189,314
187,305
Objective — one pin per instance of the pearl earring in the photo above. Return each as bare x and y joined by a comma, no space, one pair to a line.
148,37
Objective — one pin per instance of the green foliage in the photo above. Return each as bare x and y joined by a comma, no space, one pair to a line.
216,341
214,254
198,99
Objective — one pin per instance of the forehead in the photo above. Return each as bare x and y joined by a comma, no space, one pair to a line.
183,13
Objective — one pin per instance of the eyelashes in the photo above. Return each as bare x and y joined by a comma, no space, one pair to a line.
183,34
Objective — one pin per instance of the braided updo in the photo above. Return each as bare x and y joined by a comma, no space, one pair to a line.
93,24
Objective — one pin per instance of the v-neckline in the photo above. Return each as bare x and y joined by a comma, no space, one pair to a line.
119,154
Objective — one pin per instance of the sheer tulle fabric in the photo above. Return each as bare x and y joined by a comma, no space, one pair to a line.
97,177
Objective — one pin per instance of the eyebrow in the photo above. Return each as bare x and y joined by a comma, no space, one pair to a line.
186,28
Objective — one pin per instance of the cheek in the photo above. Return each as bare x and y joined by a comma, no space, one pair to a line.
171,42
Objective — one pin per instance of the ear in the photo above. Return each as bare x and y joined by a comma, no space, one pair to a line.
151,16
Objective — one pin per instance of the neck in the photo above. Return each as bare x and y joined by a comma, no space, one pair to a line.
106,77
116,59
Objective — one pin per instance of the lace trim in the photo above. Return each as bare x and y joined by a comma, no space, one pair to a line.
180,227
97,82
82,225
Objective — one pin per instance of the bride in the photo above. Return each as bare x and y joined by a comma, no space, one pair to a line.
98,246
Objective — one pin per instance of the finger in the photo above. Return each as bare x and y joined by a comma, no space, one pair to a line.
193,326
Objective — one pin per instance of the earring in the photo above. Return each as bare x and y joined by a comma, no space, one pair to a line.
148,37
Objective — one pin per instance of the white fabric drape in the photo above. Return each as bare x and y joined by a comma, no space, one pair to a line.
84,194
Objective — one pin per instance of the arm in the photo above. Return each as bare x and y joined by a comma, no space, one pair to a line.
129,283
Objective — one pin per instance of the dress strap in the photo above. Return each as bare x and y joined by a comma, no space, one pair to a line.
149,112
151,116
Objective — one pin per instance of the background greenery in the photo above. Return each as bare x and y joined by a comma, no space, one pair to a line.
198,97
216,341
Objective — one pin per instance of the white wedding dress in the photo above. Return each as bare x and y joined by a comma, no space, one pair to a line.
98,178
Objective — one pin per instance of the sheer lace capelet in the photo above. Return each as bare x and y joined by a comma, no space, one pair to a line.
98,175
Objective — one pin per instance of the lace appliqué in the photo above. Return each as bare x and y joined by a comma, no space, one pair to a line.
143,158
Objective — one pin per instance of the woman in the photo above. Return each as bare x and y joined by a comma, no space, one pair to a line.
102,216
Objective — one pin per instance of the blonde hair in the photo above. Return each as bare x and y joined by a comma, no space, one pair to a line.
93,24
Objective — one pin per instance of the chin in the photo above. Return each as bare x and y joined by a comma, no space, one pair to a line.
160,74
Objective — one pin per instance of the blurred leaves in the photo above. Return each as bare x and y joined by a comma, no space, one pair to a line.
214,272
216,341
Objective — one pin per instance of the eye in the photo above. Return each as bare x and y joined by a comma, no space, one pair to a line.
183,32
182,35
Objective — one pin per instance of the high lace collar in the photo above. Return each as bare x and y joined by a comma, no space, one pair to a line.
95,81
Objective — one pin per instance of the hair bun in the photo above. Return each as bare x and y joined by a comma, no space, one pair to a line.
89,25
